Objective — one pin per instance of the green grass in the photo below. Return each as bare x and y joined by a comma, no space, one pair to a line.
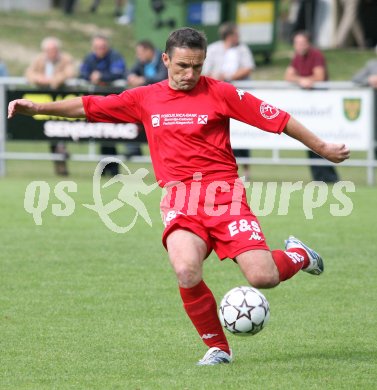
84,308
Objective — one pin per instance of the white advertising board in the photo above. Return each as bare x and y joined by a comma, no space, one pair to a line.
342,116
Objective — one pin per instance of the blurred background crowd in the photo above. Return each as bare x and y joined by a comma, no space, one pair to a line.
332,25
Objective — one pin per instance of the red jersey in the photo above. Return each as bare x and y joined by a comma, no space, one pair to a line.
187,131
304,65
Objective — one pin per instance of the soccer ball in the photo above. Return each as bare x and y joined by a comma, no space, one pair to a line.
244,311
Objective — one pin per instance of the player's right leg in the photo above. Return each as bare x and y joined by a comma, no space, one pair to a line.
187,252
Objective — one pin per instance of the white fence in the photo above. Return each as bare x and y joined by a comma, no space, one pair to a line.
337,111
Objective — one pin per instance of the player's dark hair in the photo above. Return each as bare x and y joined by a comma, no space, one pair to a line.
146,44
186,37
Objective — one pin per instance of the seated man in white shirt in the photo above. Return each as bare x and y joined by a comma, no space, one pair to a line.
230,60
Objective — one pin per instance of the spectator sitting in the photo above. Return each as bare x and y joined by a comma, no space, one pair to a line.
367,76
149,67
307,67
51,69
103,65
230,60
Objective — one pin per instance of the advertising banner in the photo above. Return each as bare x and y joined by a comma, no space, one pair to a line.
44,127
256,21
341,116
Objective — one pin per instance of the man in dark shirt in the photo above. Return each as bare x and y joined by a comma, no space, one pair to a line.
308,64
149,67
307,67
103,65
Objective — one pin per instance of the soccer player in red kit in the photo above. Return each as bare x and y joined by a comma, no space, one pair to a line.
186,119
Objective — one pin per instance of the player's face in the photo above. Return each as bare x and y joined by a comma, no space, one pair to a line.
184,67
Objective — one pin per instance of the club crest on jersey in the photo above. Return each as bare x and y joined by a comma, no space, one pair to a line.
155,120
268,111
240,93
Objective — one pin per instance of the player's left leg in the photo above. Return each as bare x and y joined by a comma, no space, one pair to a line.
265,269
237,234
259,268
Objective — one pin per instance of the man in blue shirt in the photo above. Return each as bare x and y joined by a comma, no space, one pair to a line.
103,65
148,68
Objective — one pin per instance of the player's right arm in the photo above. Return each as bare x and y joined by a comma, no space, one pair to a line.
335,153
247,108
70,108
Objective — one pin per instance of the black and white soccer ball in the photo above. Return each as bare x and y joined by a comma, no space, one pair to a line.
244,311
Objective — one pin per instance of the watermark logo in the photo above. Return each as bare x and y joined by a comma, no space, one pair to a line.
132,185
182,200
37,197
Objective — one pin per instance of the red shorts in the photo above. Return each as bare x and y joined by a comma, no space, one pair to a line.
217,212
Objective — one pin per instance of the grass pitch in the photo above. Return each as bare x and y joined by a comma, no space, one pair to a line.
84,308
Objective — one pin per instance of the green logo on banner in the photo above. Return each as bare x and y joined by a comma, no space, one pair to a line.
352,108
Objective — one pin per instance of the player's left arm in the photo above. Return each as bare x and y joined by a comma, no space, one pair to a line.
333,152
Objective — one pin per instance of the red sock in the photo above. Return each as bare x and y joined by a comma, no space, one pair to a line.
289,262
200,306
